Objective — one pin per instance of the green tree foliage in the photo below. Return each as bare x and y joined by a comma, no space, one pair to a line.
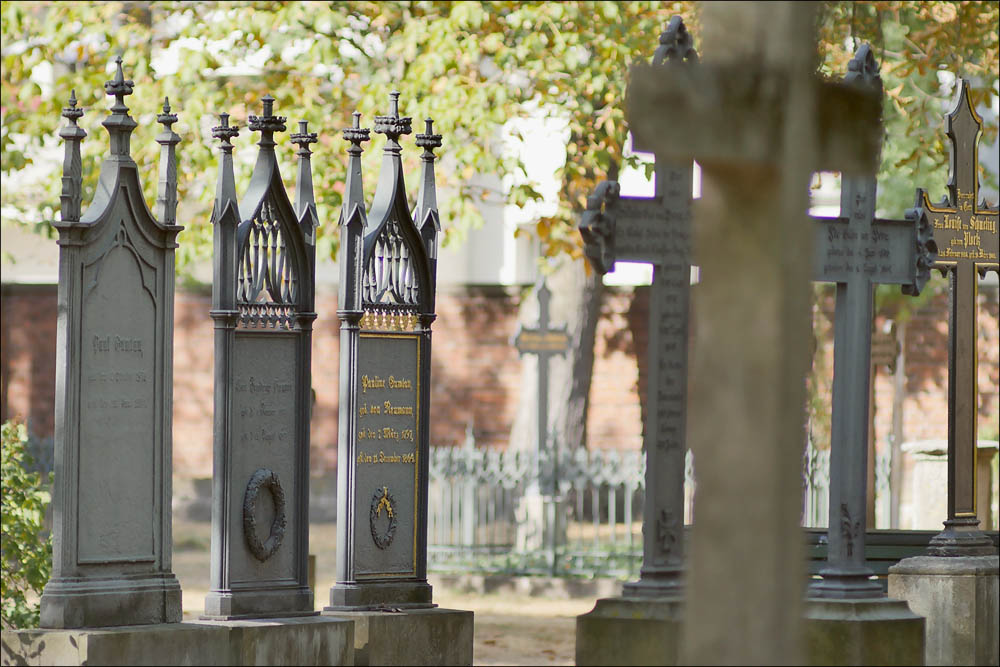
25,549
470,65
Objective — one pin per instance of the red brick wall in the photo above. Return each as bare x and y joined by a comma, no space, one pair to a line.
475,370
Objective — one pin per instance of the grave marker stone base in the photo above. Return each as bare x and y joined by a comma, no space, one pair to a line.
872,631
630,631
89,602
415,637
960,598
300,641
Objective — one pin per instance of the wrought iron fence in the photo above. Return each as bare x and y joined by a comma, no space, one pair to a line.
589,521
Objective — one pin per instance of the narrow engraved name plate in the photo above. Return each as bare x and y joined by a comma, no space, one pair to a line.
118,411
388,391
263,405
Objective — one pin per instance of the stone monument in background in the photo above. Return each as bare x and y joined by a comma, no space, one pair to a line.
263,307
114,390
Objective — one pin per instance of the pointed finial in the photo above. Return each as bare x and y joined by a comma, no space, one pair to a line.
356,134
428,140
268,122
862,68
166,118
224,132
392,126
119,86
676,44
72,113
303,138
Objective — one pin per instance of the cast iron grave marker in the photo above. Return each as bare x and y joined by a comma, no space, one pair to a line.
387,284
114,391
856,251
544,342
966,230
262,305
656,230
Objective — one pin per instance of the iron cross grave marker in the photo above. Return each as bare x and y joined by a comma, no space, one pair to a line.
966,233
657,231
544,342
856,251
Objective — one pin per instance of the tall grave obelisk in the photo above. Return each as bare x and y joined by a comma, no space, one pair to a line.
958,579
114,390
388,276
643,626
263,308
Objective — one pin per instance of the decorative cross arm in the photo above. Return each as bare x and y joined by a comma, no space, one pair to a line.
896,252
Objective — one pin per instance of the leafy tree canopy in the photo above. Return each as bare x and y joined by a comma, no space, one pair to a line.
469,65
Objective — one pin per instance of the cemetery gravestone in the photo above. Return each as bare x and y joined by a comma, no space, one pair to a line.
856,251
263,308
386,309
654,230
114,392
388,274
539,519
967,235
956,585
759,123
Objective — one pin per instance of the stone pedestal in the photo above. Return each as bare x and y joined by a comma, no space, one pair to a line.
867,631
959,597
630,631
413,637
298,641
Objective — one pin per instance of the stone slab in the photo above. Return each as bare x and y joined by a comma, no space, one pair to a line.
630,631
960,598
298,641
867,631
412,637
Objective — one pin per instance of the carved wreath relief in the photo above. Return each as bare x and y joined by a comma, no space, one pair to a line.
263,478
383,529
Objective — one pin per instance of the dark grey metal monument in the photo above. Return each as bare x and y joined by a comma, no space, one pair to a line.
544,342
955,586
856,251
386,307
657,230
643,626
114,390
263,309
540,523
969,242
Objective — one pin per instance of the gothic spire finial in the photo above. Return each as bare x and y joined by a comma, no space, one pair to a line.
224,132
119,86
676,44
267,124
392,126
72,179
119,124
303,138
166,199
862,68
